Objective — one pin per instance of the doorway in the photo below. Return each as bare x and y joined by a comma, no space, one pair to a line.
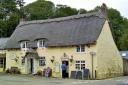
4,66
67,69
30,65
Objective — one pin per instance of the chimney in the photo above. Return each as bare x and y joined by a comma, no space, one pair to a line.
104,10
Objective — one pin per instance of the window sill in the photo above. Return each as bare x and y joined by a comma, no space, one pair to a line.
42,47
81,52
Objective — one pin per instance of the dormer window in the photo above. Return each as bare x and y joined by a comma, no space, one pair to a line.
24,44
41,43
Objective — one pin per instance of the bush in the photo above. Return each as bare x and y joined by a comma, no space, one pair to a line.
39,73
8,70
13,70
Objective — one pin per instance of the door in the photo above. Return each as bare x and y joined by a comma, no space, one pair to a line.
4,66
30,65
67,70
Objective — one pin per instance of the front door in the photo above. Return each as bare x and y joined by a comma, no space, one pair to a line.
4,59
30,65
67,70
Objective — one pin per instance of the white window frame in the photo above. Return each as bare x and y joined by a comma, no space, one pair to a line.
42,59
41,45
81,62
23,44
80,49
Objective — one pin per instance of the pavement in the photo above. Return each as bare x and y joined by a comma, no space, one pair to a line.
6,79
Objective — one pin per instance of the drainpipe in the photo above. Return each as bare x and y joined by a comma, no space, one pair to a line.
92,61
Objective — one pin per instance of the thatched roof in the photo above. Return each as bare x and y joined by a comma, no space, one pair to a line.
3,42
72,30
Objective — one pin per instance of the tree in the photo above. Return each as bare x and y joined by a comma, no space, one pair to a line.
82,11
20,3
123,42
63,10
40,9
117,24
7,10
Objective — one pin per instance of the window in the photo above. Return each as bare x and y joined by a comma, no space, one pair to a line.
1,62
42,61
123,54
80,65
80,48
24,44
41,43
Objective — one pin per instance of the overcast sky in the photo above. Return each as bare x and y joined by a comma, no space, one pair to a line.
120,5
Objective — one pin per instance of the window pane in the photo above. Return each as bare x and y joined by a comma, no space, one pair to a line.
41,43
42,61
82,61
23,45
80,65
78,49
77,61
82,48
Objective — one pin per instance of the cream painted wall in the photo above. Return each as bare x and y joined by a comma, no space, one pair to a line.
11,55
57,52
109,63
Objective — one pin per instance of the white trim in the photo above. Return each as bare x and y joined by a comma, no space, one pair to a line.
23,44
80,63
41,45
80,46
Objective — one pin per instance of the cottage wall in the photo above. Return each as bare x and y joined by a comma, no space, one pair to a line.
110,63
14,59
58,53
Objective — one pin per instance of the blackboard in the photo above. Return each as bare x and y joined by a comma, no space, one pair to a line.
79,75
73,75
84,74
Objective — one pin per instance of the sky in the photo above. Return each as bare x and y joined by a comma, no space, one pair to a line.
120,5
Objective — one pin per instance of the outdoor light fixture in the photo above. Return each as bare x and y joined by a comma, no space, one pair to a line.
71,59
53,58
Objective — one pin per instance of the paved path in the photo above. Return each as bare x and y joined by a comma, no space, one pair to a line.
32,80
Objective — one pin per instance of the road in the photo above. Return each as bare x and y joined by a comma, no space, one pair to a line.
32,80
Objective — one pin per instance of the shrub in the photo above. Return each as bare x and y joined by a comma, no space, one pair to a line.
39,73
8,70
13,70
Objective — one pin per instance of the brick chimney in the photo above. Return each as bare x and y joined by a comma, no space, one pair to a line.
104,10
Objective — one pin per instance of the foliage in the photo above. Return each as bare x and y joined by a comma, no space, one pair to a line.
63,10
39,73
13,70
9,17
40,9
118,26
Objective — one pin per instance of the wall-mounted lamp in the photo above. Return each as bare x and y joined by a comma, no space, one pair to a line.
16,59
71,59
53,58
